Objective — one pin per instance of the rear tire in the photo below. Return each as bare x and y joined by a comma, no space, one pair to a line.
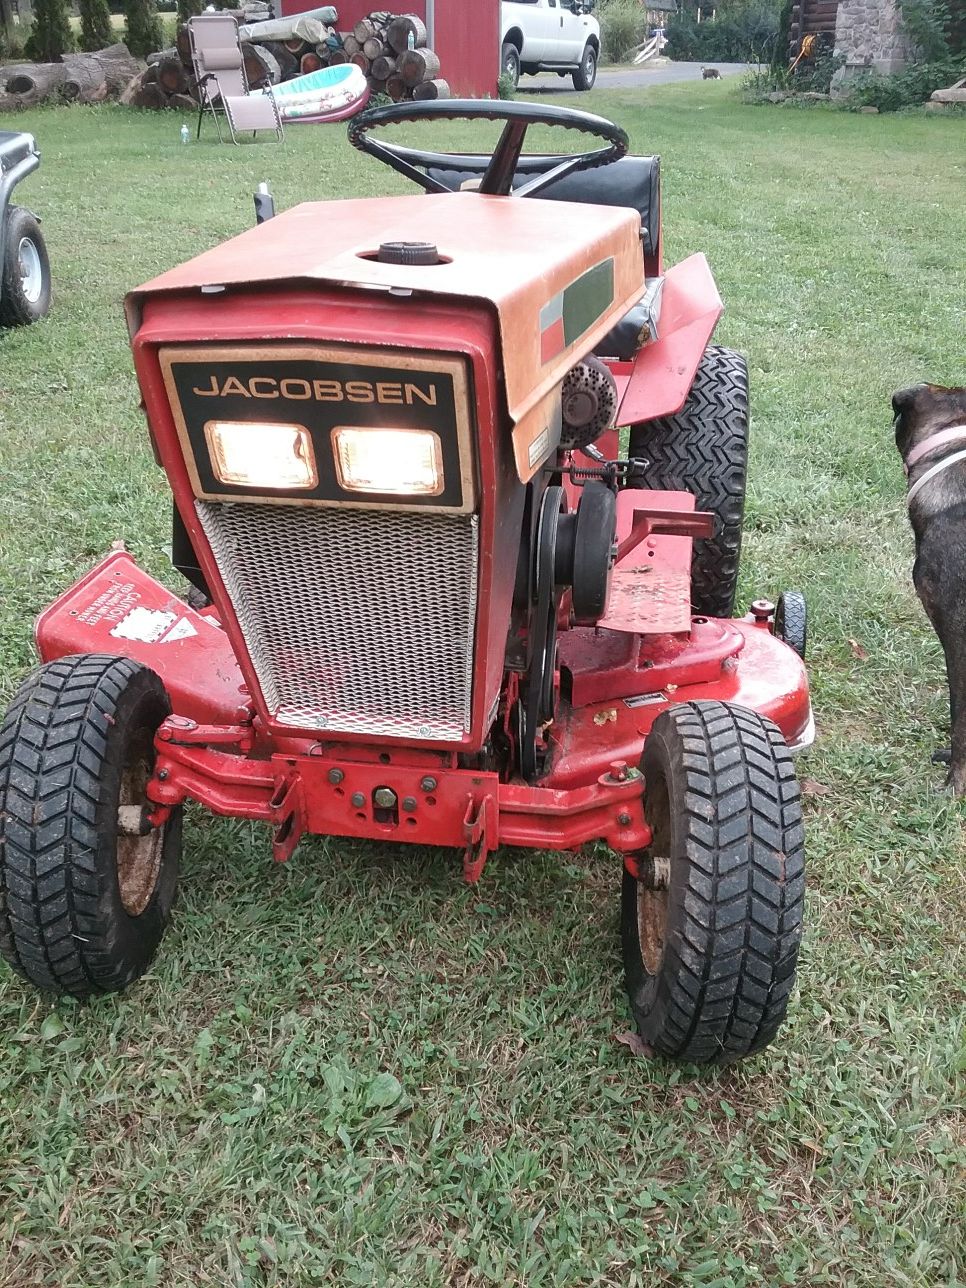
711,929
585,76
84,900
510,63
25,295
704,450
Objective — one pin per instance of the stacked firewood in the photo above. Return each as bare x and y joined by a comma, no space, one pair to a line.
390,49
392,52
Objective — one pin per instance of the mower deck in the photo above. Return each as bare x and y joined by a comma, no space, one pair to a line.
617,681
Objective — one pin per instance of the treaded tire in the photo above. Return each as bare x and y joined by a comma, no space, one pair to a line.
704,450
585,76
710,960
76,743
20,305
791,621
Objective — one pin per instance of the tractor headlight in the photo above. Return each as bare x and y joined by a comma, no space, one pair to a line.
400,462
261,454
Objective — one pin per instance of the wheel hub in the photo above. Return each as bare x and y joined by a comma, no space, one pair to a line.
138,856
651,925
31,270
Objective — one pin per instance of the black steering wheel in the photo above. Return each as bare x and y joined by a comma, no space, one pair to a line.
497,180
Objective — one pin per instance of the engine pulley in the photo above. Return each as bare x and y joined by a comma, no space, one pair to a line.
588,403
585,551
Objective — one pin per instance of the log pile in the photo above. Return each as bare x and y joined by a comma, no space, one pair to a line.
281,49
391,50
80,78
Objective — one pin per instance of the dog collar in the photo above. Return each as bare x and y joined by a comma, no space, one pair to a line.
931,474
954,434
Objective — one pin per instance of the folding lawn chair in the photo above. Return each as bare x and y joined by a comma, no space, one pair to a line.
221,80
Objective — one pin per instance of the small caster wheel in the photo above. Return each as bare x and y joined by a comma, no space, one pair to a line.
791,620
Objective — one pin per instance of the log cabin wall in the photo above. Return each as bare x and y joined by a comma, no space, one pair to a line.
812,18
465,35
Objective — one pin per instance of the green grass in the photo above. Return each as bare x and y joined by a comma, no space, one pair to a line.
222,1124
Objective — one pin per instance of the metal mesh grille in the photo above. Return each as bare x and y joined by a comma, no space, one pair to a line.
357,621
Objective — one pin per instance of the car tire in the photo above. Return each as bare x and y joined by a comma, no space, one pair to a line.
711,927
83,903
703,449
585,75
510,63
25,296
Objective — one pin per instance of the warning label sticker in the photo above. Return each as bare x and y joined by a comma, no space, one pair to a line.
111,604
182,630
144,624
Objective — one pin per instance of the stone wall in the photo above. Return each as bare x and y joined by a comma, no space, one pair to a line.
869,34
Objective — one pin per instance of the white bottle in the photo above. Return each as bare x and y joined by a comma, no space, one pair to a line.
185,133
411,39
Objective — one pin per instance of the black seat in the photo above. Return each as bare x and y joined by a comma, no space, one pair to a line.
632,181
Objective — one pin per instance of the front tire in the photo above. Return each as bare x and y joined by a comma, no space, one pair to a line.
585,76
704,449
25,296
510,62
84,898
791,621
711,928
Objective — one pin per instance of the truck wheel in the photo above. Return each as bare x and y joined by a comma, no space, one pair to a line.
585,75
704,450
711,927
791,620
84,897
511,63
25,294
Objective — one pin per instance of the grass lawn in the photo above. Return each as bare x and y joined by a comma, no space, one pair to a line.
222,1124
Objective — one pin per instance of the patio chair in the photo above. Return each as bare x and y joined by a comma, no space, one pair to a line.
221,80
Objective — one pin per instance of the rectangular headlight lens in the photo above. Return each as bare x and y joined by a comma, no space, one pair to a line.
261,454
402,462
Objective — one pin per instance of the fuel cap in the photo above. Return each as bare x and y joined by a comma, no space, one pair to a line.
404,252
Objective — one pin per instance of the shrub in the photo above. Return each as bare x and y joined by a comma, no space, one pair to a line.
96,31
622,25
143,33
504,86
749,34
929,25
907,88
50,36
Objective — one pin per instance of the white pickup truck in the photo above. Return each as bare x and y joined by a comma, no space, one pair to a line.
550,35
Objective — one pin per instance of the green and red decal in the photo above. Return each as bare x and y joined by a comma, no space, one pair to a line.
575,309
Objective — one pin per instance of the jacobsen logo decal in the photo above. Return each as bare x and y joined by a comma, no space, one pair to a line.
388,392
566,317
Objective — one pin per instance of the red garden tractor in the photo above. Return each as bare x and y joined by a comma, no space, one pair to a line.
437,598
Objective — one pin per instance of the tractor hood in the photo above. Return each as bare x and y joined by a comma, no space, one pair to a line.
558,277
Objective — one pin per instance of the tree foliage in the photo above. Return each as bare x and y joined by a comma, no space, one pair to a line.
96,31
931,27
50,36
188,8
143,33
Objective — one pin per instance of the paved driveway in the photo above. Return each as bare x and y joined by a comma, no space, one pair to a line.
665,73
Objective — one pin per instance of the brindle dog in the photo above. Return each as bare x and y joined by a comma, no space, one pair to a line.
930,424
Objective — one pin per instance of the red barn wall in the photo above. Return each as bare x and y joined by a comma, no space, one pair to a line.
467,37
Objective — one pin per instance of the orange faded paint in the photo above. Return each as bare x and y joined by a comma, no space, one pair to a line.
514,254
